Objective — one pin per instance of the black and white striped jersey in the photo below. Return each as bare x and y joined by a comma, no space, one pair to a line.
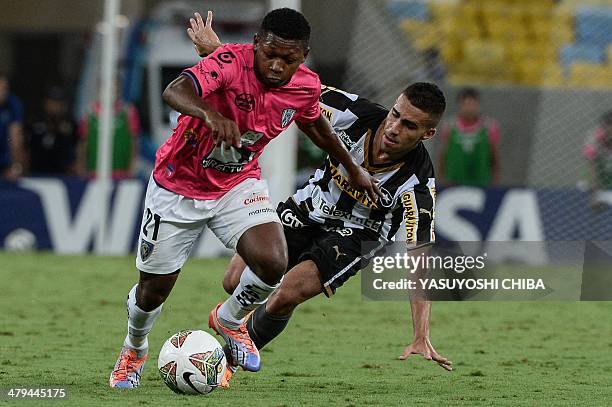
408,185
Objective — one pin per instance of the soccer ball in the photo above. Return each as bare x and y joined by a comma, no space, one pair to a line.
191,362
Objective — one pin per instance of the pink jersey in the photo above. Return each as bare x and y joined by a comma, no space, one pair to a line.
188,162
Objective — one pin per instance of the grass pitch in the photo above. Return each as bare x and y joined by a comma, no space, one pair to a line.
63,319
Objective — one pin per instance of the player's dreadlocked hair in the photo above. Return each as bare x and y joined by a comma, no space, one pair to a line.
428,98
287,24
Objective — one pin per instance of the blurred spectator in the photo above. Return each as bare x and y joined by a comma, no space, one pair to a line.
469,145
53,138
436,71
12,157
598,152
126,130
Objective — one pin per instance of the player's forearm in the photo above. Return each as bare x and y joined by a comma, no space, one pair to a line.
421,312
181,96
322,135
420,305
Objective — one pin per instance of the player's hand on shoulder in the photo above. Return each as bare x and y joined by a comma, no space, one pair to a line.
204,38
422,346
223,130
363,181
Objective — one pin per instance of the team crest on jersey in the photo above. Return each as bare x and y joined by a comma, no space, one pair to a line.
286,116
386,201
146,249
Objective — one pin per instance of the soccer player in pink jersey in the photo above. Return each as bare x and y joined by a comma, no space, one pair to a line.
232,103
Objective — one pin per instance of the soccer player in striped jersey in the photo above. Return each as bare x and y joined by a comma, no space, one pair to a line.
327,221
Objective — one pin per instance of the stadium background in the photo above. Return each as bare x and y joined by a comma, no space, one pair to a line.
544,69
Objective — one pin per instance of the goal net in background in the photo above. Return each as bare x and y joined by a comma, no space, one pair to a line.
544,71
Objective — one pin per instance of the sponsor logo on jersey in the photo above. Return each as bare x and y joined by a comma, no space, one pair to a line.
334,212
410,216
226,57
328,114
286,116
288,218
245,102
342,182
232,160
344,232
347,141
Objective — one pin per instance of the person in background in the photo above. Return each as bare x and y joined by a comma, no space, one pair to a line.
12,157
469,145
126,125
53,137
598,153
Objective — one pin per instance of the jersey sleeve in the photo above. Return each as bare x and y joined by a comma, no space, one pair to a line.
213,72
343,109
312,112
419,213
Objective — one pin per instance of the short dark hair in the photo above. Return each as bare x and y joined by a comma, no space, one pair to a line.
468,93
427,97
288,24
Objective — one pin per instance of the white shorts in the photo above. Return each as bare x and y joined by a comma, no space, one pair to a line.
172,223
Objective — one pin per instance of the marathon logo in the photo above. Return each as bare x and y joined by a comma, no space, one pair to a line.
260,211
343,183
410,216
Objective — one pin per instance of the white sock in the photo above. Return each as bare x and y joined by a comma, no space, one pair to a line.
139,323
250,294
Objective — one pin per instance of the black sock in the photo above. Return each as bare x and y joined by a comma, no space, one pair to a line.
263,327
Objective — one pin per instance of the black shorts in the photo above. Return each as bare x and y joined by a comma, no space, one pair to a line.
339,253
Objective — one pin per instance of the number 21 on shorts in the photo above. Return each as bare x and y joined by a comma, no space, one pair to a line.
151,217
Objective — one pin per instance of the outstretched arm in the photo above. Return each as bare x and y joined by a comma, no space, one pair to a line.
421,345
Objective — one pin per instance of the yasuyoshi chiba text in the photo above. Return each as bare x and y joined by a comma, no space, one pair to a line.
460,284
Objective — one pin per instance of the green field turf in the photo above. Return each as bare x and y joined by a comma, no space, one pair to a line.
62,321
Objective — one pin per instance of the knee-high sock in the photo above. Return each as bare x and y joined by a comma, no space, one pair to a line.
263,327
139,322
250,294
